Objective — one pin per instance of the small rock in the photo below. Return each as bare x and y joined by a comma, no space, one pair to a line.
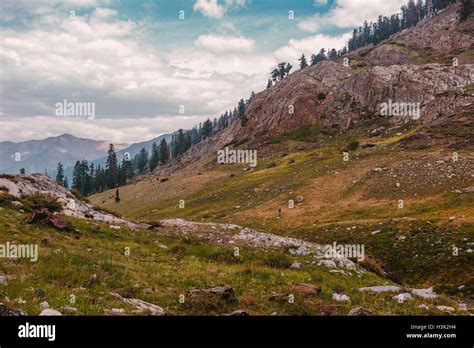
239,313
114,227
327,309
49,312
360,311
381,288
424,306
424,293
340,297
446,309
402,297
44,305
17,204
307,289
69,309
296,265
10,312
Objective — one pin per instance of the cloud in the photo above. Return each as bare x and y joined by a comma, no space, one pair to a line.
209,8
128,130
309,45
212,8
320,2
98,58
219,43
350,13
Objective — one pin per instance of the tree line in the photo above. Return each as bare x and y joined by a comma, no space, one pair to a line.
373,33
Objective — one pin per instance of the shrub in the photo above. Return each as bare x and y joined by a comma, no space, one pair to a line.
38,200
321,96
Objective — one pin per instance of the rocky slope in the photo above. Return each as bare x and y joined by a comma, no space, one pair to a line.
414,66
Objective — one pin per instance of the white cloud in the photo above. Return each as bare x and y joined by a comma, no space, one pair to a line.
350,13
212,8
220,43
309,45
209,8
101,59
320,2
128,130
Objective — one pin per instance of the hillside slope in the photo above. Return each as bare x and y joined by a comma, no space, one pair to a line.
405,191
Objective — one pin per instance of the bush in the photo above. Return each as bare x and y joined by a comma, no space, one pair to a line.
38,200
277,260
321,96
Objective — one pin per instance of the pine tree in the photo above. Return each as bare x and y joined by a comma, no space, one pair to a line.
206,128
154,158
66,183
142,164
242,113
60,174
303,62
269,83
111,170
164,151
117,196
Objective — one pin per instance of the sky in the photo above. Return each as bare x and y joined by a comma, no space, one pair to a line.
153,66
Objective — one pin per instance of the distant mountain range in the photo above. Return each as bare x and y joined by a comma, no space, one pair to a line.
40,156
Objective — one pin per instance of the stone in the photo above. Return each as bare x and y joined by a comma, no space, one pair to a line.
69,309
17,204
359,311
296,265
140,304
424,293
239,313
381,288
340,297
402,297
327,309
43,216
50,312
10,312
44,305
225,293
307,289
446,309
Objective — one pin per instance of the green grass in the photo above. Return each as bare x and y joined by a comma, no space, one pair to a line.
160,275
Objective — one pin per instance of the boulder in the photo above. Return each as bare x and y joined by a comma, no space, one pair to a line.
307,289
381,288
340,297
360,311
10,312
43,216
50,312
225,293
